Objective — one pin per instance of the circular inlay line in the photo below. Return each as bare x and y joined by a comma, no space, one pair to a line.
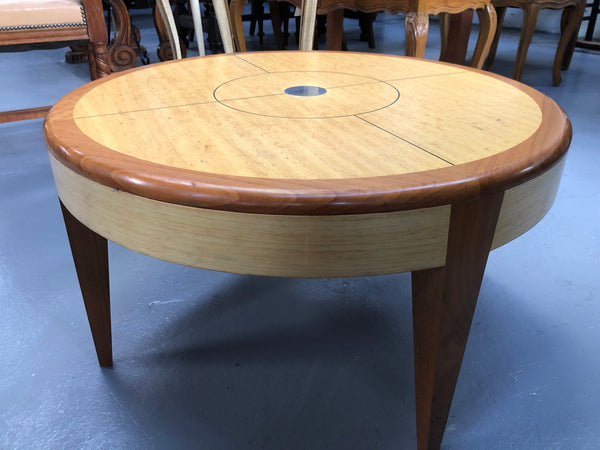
348,94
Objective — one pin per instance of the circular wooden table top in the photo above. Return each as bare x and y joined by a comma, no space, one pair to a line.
308,164
307,133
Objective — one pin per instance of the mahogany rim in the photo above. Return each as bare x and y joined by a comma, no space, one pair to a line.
449,185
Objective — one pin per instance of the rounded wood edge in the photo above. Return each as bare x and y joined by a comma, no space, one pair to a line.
311,197
258,244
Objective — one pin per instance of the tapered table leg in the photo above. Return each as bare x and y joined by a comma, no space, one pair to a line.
90,254
444,301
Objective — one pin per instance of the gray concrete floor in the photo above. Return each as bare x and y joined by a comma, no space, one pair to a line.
218,361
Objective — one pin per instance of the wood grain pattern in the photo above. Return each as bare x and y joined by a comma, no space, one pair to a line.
388,165
24,114
32,36
525,205
444,301
90,254
289,245
259,244
417,28
483,150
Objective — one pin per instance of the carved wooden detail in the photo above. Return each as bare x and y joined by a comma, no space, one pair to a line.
417,27
122,48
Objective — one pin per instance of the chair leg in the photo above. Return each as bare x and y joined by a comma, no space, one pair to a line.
166,13
222,12
459,31
197,20
530,15
276,21
253,16
235,13
444,27
366,28
98,52
567,40
500,13
487,31
307,24
580,8
417,28
335,29
257,14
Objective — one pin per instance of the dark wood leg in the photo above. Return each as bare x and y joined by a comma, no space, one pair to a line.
444,300
90,254
572,21
530,15
335,29
458,37
500,14
487,31
565,18
365,22
276,20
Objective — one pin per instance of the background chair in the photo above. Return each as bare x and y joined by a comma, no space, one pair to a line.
26,22
417,20
221,12
571,21
588,40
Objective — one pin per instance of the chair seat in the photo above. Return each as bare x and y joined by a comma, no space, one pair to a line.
25,22
36,14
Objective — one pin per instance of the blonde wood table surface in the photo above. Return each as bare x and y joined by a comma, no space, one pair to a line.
311,164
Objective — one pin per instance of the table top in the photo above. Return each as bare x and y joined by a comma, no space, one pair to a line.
307,132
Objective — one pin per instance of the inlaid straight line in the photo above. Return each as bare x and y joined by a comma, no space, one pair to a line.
131,111
237,55
174,106
266,95
275,94
405,140
426,76
217,101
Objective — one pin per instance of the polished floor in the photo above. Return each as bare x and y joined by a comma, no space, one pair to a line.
209,360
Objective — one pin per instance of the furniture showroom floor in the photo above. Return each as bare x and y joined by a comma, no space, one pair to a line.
218,361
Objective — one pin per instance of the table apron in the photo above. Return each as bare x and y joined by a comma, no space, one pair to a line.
288,245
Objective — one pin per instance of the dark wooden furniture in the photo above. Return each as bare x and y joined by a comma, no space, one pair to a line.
591,19
416,23
311,164
26,22
572,15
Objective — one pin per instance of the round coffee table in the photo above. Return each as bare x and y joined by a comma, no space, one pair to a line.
311,164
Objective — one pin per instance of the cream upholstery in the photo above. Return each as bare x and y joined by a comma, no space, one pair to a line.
33,14
24,22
